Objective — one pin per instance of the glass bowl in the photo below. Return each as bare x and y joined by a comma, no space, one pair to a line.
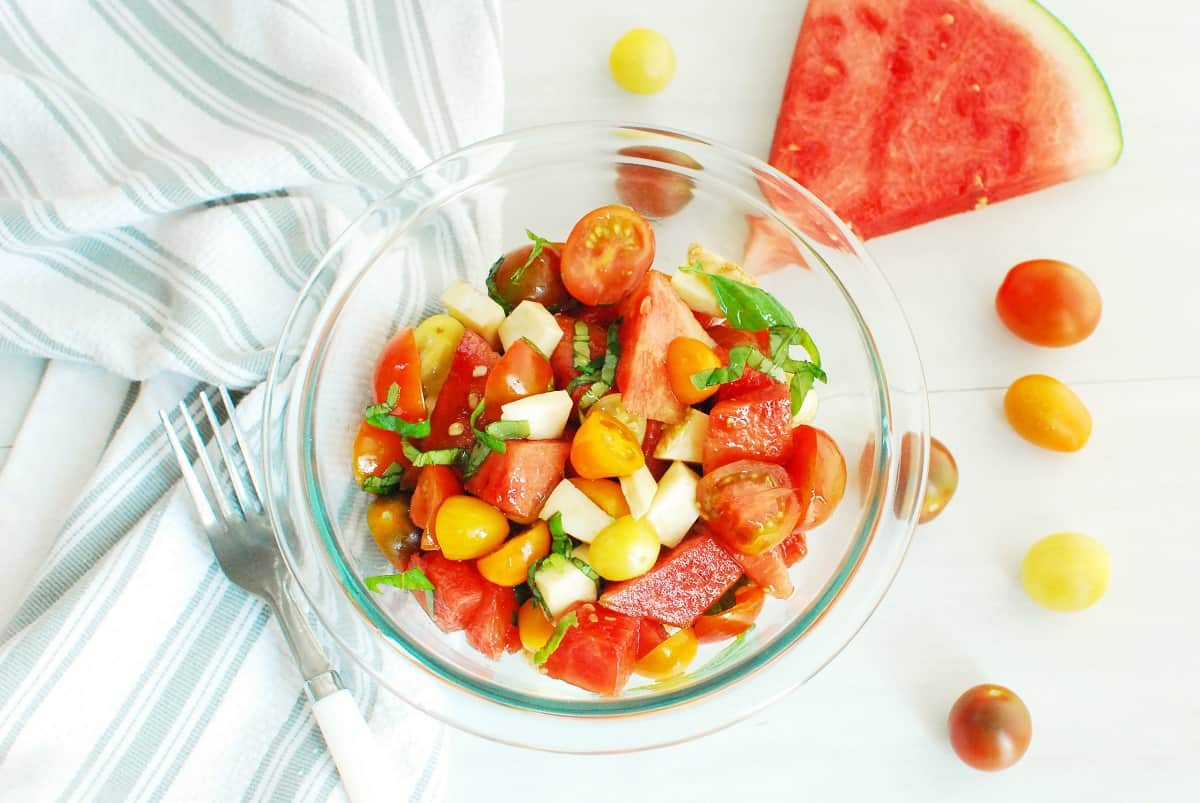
450,221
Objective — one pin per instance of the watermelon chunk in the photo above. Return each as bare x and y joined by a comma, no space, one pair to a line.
754,426
897,113
681,586
492,629
653,316
458,586
597,654
518,481
454,402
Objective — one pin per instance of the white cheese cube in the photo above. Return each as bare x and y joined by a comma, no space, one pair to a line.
547,413
674,509
583,552
581,517
696,292
472,307
684,440
562,584
534,322
711,262
808,409
639,489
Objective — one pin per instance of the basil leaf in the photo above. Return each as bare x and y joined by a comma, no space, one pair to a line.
508,430
414,580
405,429
560,542
437,457
385,482
493,291
740,358
534,591
784,337
747,308
581,349
474,459
592,395
582,565
538,244
560,630
608,371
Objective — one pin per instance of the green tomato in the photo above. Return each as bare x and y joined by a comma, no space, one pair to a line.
1066,571
642,61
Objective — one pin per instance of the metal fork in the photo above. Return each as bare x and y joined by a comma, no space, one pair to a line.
247,552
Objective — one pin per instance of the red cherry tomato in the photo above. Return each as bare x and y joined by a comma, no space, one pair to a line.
435,484
515,278
818,473
655,191
400,364
607,254
520,372
989,727
1049,303
748,602
749,505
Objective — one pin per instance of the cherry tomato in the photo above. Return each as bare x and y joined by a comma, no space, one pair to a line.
520,372
509,565
516,278
670,658
989,727
392,529
607,254
642,61
607,495
400,364
604,447
375,450
687,356
818,473
469,528
1066,571
655,191
942,481
532,626
1047,413
748,504
731,622
1049,303
435,484
625,549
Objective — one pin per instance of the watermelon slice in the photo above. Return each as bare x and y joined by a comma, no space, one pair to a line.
459,588
599,653
897,112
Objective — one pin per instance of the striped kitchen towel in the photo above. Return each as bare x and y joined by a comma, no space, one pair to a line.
170,173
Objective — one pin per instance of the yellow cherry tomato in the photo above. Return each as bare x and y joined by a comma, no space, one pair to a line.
669,658
613,404
437,339
606,494
687,356
1047,413
642,61
392,529
469,528
625,549
604,447
532,626
1066,571
509,565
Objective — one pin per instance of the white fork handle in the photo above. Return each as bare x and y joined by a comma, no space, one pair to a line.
357,755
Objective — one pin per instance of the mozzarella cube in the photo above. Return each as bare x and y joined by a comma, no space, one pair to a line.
674,509
684,440
472,307
696,292
639,489
547,414
808,409
715,263
532,321
581,517
562,584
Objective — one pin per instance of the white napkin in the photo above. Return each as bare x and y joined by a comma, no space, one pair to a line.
165,170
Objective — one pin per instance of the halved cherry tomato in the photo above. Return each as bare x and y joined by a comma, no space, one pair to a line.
750,505
516,278
520,372
509,565
400,364
607,495
748,602
435,484
687,356
392,529
607,254
818,472
535,629
1049,303
375,450
655,191
604,447
670,658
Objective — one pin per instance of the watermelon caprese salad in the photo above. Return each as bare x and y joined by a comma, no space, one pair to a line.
597,463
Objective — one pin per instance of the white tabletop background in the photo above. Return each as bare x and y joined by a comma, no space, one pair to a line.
1114,691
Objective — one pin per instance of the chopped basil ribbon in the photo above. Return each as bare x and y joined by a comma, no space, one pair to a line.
608,371
385,482
414,580
583,566
496,433
437,457
778,366
745,307
538,244
560,542
581,349
538,351
560,630
380,416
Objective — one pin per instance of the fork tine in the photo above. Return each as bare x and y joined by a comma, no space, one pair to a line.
241,439
223,502
244,494
204,510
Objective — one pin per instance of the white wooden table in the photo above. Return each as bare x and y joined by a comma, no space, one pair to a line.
1114,691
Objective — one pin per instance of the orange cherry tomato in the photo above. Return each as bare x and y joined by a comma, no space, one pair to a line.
1047,413
375,450
942,481
516,278
532,626
655,191
519,373
687,356
748,504
435,484
604,447
607,254
1049,303
400,364
990,727
670,658
392,529
818,472
509,565
607,495
731,622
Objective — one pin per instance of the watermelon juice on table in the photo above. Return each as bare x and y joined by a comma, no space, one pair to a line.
898,112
